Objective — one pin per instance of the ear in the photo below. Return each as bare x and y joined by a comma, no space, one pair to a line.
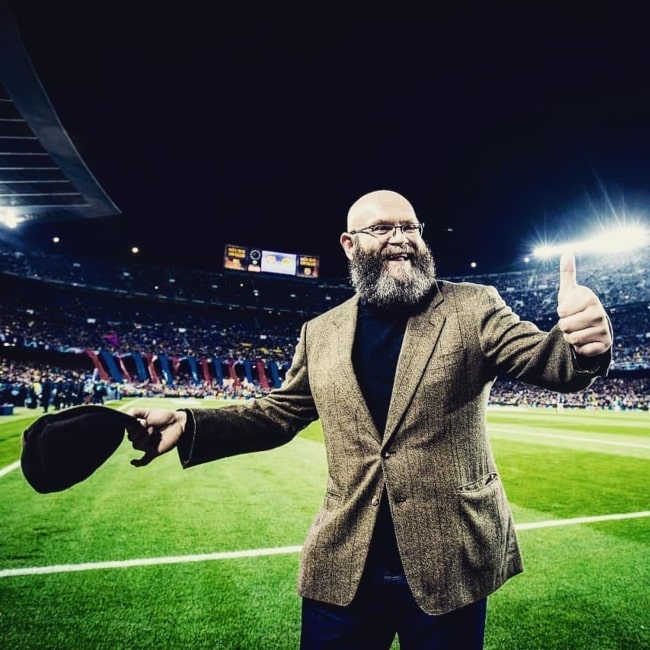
347,242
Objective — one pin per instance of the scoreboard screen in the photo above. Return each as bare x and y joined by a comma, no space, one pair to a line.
284,263
307,266
258,260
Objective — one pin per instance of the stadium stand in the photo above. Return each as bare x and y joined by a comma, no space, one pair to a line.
135,329
110,330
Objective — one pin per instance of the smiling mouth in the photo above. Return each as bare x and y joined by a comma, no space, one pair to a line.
399,256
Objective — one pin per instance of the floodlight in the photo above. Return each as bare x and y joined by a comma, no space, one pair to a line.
619,239
547,251
615,240
8,217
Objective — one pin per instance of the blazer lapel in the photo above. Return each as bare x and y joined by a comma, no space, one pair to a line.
420,338
346,323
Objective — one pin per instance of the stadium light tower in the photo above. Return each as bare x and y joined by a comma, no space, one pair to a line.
614,240
623,238
8,217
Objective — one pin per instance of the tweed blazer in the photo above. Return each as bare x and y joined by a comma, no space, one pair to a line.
452,521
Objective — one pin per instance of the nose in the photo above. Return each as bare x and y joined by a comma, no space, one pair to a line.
396,230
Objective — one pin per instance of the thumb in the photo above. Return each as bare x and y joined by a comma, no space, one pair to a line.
568,271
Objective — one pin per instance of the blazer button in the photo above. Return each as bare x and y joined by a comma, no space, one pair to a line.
375,501
386,454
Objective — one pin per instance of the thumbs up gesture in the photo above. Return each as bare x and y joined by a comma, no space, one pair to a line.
583,320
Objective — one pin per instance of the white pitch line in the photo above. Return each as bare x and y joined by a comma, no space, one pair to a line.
581,520
9,468
616,443
231,555
120,564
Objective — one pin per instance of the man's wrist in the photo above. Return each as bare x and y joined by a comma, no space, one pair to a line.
182,417
596,365
185,418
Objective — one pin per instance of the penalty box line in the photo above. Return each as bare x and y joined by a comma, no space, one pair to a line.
232,555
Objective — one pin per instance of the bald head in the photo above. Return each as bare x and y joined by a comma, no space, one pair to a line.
380,204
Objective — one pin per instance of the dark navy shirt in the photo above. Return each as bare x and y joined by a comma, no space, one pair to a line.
377,343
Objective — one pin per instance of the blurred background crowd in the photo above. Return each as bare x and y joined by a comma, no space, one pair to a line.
76,331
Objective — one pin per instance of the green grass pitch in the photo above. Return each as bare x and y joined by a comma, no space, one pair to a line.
165,558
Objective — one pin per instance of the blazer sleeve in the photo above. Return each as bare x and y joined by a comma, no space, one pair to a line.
520,350
255,425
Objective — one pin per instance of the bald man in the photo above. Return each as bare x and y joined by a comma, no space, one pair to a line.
415,531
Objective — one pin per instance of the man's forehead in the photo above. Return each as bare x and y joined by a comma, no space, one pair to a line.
379,205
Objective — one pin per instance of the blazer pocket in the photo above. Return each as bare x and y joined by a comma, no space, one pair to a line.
484,520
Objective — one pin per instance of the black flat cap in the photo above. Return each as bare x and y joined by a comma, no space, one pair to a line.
65,448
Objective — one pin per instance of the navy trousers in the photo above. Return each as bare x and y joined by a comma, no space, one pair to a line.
383,609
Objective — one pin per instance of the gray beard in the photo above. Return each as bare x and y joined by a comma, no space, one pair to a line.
376,286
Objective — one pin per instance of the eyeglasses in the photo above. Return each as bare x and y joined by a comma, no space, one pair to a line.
386,231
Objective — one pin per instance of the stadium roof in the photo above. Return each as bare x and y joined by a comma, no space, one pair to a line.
42,176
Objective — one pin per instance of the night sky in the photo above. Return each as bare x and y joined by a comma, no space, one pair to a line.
502,125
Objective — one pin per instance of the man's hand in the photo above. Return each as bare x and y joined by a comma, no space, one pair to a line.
161,431
582,317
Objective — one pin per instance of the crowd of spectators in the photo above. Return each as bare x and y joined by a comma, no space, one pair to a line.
611,393
55,309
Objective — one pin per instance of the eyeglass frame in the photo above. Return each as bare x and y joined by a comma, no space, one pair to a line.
368,230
